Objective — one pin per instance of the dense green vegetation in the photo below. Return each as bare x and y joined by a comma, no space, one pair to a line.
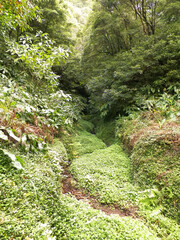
153,141
108,175
131,55
90,88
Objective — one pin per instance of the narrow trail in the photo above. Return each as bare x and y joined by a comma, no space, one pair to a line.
99,197
68,188
96,157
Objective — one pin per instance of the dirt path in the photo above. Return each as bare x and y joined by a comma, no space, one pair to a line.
67,187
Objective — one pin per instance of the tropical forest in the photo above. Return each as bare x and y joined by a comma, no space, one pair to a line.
89,119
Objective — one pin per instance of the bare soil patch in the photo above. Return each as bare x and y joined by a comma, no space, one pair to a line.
69,187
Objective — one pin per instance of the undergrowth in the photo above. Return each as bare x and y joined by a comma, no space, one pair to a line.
85,142
28,194
33,207
106,131
152,138
78,220
107,174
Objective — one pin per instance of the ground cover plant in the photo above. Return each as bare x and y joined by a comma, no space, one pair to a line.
78,221
85,142
105,130
152,136
25,193
33,207
107,174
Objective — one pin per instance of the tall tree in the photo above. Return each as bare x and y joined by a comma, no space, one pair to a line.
131,53
146,10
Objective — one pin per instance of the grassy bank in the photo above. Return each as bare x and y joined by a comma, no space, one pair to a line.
152,138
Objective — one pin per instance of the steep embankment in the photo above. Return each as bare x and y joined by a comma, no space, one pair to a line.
153,138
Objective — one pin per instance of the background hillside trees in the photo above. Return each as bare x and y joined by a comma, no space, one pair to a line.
131,54
53,14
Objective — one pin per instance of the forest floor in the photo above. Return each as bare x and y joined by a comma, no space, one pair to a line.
80,194
101,176
89,197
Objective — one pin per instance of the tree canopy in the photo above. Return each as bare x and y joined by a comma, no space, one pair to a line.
131,53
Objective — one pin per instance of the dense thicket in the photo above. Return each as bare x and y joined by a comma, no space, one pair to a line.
32,37
33,40
131,54
71,74
54,21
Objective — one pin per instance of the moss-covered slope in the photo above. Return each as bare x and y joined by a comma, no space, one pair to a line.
153,142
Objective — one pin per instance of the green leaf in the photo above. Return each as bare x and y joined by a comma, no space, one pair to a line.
15,160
